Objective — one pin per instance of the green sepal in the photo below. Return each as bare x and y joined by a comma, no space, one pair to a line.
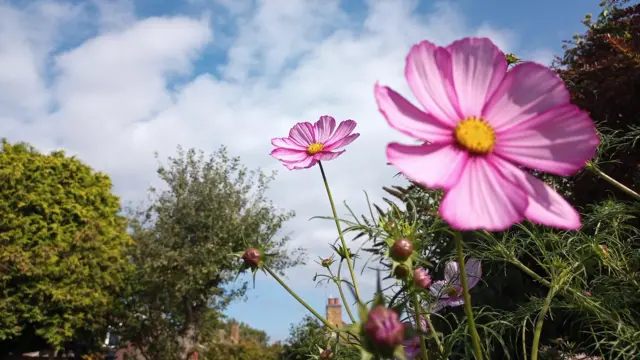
399,353
378,299
511,59
365,355
352,328
363,312
340,250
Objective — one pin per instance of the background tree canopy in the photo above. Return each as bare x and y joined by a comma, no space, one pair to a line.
211,208
62,246
305,339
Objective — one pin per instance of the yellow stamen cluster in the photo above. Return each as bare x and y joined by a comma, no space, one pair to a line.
475,135
314,148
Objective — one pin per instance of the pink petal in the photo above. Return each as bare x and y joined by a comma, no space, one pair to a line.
423,322
328,155
439,305
344,129
545,206
451,272
558,141
528,90
478,67
435,165
324,128
473,269
289,155
342,142
287,143
437,289
453,302
304,164
483,199
429,74
410,120
302,133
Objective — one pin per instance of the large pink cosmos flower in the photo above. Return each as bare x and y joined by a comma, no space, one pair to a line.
309,143
480,125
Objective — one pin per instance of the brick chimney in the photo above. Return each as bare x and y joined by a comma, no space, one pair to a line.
334,312
235,333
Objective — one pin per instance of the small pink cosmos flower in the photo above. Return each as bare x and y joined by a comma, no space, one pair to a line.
449,291
309,143
480,125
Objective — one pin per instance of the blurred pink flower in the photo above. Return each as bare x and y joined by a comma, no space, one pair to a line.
421,278
480,125
309,143
412,345
448,292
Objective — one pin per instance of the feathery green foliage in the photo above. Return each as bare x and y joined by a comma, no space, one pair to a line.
212,207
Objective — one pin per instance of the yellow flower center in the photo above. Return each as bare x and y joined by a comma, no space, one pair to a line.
314,148
475,135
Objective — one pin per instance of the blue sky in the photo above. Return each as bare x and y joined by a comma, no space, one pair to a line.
136,77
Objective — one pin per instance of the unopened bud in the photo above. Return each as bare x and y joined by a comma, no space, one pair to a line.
327,354
401,249
251,257
384,329
401,271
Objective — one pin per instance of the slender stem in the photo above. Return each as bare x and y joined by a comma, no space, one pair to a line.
538,329
344,243
594,169
416,309
295,296
432,328
475,338
338,281
594,308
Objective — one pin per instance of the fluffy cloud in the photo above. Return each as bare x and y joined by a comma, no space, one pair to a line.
129,86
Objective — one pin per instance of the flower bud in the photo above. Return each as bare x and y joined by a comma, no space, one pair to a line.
604,250
327,354
383,329
401,249
401,271
251,257
326,262
421,278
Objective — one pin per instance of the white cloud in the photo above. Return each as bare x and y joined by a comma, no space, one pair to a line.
114,103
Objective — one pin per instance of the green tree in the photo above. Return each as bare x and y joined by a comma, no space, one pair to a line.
62,246
211,208
305,339
245,350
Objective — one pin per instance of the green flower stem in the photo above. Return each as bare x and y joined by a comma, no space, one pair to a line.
295,296
416,309
344,299
475,338
432,328
344,243
538,329
594,169
585,304
307,306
